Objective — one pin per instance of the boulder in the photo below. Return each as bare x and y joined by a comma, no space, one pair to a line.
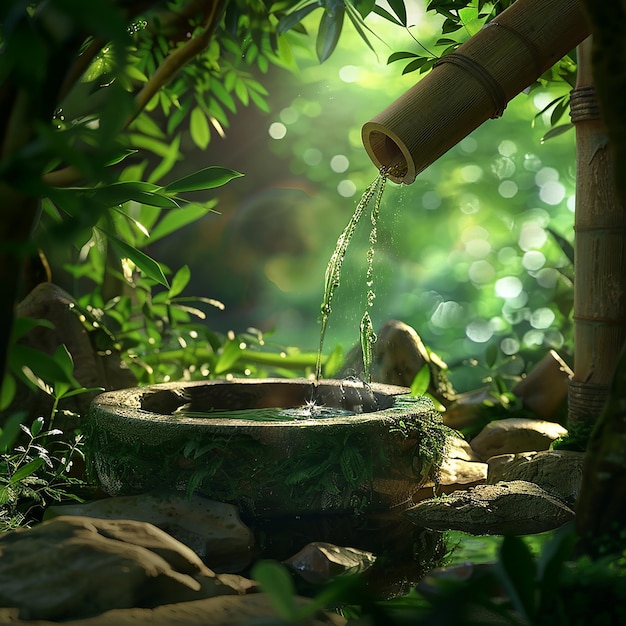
558,471
74,567
515,434
211,529
517,507
319,562
256,608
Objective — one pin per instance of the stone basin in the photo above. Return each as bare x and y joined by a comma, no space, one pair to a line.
190,436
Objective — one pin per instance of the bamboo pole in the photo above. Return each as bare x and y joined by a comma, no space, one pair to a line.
467,87
600,254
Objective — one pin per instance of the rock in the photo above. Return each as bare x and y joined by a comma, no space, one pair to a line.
517,507
74,567
399,354
462,468
318,562
558,471
245,610
544,390
515,434
211,529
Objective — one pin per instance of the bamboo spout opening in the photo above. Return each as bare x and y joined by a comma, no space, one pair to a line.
388,151
472,84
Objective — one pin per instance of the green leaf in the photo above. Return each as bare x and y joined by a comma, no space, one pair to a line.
242,92
328,32
359,26
168,162
295,17
491,355
207,178
180,281
414,65
517,570
10,430
132,220
397,6
231,351
556,131
120,157
564,244
7,392
23,325
396,56
218,90
175,220
145,263
141,192
65,361
77,392
259,101
26,470
420,383
386,15
36,426
42,367
364,7
199,128
275,581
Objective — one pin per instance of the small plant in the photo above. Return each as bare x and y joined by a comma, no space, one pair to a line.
36,474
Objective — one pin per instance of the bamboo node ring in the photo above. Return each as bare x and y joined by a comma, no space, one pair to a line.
530,46
600,321
584,105
480,73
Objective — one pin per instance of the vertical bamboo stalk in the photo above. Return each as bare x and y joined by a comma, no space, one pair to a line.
600,254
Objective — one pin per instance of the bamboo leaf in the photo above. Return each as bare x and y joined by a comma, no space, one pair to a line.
145,263
329,31
175,220
120,157
556,131
396,56
199,128
295,17
359,25
397,6
207,178
364,7
228,357
414,65
141,192
180,281
386,15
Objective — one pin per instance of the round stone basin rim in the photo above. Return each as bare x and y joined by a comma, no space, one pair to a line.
158,403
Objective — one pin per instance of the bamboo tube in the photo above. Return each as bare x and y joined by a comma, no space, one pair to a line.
600,253
474,83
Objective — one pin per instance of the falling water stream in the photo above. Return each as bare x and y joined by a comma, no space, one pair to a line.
333,274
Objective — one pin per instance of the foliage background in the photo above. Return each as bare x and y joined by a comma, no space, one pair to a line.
466,254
